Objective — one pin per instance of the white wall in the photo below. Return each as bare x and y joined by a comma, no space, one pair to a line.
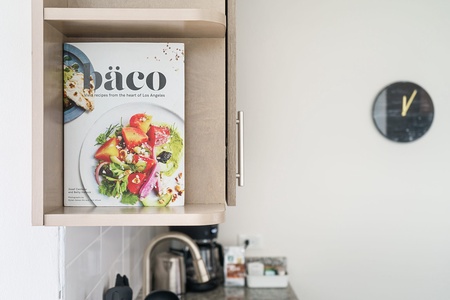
358,216
28,255
369,217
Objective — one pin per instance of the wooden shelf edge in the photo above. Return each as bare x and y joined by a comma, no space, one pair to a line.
231,104
138,14
129,21
37,116
190,214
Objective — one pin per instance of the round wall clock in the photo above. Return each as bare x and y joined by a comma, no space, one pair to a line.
403,112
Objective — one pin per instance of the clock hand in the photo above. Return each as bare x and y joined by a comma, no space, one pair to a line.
403,105
406,105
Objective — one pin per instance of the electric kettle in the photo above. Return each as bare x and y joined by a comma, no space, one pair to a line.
169,273
171,265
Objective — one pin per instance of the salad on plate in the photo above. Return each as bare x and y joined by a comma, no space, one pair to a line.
140,162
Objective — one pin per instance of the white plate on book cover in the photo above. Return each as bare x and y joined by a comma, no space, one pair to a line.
116,115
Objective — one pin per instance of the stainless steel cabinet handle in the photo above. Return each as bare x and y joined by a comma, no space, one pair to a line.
240,156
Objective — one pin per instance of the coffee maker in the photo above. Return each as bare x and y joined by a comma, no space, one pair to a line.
210,251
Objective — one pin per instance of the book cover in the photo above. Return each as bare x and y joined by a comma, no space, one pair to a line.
123,124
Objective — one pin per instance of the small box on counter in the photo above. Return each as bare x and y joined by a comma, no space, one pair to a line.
234,266
267,272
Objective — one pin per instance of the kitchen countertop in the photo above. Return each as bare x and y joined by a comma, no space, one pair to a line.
243,293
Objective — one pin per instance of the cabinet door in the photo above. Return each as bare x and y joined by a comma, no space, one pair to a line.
231,103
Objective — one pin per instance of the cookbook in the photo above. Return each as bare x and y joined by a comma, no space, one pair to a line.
123,124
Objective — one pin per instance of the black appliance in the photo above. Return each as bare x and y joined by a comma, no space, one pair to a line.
211,253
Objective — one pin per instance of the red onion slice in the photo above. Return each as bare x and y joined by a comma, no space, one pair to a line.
97,172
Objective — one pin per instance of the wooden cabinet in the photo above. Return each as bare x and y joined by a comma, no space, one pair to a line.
207,28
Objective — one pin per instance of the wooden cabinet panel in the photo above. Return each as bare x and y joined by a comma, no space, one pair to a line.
209,88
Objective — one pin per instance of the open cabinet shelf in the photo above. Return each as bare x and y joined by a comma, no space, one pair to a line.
193,214
208,35
117,22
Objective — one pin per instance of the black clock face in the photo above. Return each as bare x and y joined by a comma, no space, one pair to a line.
403,112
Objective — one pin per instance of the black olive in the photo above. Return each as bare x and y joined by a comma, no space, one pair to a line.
122,144
163,157
106,171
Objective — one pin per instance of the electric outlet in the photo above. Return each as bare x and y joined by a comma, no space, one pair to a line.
254,240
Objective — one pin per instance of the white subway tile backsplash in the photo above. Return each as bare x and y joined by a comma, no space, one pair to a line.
95,255
115,268
83,273
78,239
136,277
126,263
112,245
99,289
133,257
130,232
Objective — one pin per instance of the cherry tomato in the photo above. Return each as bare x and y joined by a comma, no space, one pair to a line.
141,121
135,181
